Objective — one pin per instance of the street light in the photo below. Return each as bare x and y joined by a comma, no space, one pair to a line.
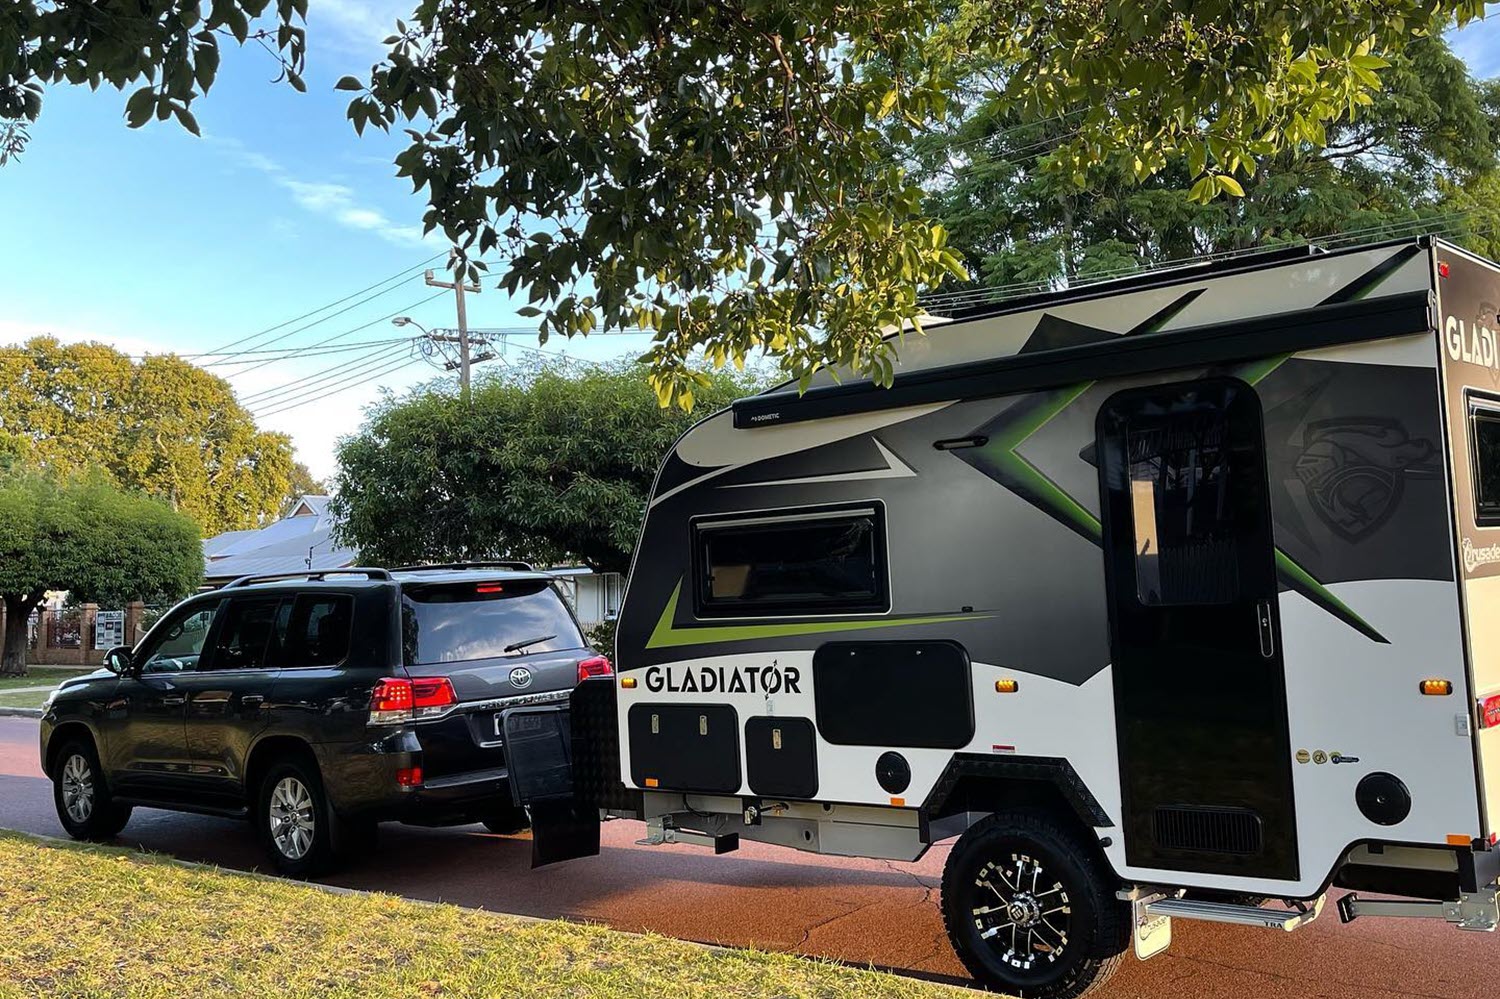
409,321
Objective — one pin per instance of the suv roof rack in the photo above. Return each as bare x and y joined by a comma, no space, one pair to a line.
438,566
318,576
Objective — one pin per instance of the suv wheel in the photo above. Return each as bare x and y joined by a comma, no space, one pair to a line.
507,821
1031,910
84,805
294,820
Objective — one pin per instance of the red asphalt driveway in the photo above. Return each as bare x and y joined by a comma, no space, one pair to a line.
856,911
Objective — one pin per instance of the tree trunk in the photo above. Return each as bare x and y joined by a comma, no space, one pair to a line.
13,656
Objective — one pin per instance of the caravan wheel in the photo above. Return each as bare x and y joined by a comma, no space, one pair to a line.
1031,910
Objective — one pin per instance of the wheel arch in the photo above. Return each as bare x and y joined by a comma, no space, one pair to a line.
61,734
264,754
972,786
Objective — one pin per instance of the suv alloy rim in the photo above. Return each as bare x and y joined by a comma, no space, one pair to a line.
1029,920
78,788
291,818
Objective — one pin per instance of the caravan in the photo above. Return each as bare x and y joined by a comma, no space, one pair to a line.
1177,597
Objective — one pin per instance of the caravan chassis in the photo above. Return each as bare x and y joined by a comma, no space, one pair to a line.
644,746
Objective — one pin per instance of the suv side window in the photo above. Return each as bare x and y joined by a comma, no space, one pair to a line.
178,645
319,631
248,637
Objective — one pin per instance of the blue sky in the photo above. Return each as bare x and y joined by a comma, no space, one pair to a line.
154,240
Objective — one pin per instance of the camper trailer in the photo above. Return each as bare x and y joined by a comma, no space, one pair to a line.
1170,598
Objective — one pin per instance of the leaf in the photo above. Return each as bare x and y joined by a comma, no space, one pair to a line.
139,107
1229,185
186,120
349,83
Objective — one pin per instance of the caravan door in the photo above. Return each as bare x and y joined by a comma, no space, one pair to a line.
1200,696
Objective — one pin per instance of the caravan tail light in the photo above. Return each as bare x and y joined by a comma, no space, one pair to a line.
396,700
593,666
1437,688
1489,712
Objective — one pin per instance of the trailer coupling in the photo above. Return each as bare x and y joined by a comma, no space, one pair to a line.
1472,910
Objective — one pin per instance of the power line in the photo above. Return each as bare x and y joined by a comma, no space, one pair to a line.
300,385
296,319
404,362
348,332
298,353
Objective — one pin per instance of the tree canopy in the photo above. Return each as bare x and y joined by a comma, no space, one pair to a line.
1422,157
159,425
538,465
83,534
719,172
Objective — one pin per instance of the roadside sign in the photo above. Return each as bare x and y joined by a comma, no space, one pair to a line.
109,629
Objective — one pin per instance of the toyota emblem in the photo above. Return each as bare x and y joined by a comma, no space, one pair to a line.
520,677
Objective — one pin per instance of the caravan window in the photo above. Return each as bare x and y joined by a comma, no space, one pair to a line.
802,563
1186,524
1484,430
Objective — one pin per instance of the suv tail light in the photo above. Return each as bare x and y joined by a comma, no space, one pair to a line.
593,666
396,700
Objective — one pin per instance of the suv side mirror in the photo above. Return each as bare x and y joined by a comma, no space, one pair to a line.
117,659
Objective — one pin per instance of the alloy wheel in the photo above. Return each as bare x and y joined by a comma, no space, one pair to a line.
1026,914
292,820
78,788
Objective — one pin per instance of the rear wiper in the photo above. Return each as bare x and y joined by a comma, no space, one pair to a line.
518,646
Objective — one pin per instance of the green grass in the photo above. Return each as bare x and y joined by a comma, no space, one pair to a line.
103,922
31,700
39,676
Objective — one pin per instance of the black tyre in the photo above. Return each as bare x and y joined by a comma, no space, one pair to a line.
1031,910
507,821
295,823
84,805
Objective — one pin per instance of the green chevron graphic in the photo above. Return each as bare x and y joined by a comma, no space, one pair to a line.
667,635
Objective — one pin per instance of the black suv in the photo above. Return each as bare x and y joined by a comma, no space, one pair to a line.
319,704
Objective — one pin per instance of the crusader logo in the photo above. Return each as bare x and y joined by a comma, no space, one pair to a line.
1355,470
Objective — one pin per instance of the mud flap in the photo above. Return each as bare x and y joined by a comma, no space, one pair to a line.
539,754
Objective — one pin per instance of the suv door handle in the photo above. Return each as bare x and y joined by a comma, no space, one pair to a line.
253,700
172,702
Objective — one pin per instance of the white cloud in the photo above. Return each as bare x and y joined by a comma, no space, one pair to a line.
356,26
338,202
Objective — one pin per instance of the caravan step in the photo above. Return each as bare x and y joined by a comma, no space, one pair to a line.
1242,915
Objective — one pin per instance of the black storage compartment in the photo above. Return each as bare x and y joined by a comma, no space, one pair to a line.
898,694
685,747
781,756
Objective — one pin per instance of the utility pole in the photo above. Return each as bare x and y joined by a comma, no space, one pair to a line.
458,288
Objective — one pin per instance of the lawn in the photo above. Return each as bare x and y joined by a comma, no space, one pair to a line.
33,699
40,677
96,922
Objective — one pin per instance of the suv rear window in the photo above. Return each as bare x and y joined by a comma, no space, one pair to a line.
461,622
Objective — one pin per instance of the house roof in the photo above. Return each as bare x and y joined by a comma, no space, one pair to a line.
285,546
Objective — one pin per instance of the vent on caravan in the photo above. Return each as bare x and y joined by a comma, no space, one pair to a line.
1207,830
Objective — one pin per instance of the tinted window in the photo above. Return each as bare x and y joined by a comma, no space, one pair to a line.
246,638
1485,428
457,623
793,565
318,633
176,646
1184,512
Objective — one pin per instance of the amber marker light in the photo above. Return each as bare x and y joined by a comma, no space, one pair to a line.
1437,688
1006,686
628,682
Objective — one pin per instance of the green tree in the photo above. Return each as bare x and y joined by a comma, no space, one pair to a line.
539,465
1422,157
717,171
84,535
160,425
